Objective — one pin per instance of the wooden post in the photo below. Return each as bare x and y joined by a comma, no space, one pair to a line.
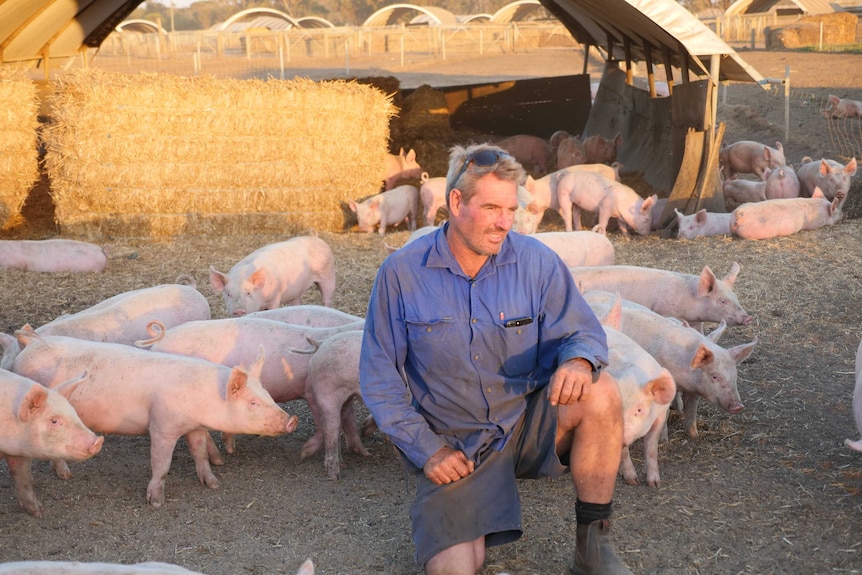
668,68
683,64
650,72
586,57
627,48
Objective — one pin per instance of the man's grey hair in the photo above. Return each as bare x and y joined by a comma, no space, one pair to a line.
507,168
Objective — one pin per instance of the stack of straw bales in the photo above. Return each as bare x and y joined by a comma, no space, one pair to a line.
19,151
159,155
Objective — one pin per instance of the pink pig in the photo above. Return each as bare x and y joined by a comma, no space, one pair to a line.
689,297
601,150
308,315
857,403
122,318
783,217
830,176
388,208
400,166
699,366
131,391
781,182
702,223
647,390
432,196
842,108
590,191
532,152
737,192
235,341
747,157
277,274
52,256
39,423
579,248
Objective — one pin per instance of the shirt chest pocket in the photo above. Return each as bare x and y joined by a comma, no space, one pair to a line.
435,342
519,346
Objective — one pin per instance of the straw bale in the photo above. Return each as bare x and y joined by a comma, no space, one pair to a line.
19,148
424,114
157,155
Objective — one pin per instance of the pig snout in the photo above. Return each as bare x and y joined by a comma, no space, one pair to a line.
736,407
743,320
96,446
238,312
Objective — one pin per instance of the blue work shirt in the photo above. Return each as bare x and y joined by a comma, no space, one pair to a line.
440,368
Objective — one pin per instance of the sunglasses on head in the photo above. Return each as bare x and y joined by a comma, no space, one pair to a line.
480,159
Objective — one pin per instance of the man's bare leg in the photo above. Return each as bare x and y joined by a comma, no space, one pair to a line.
461,559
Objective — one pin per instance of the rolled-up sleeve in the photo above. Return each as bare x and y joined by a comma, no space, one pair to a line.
381,368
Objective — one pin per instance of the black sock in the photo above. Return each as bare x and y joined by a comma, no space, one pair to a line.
586,513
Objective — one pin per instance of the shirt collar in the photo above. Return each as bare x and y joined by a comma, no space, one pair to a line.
440,255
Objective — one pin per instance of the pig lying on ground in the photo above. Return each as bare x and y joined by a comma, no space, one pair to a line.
781,183
308,315
333,374
601,150
774,218
589,191
580,248
400,166
532,152
79,568
693,298
122,318
747,157
235,341
39,423
857,403
277,274
699,366
52,256
421,232
647,390
432,196
830,176
702,223
842,108
131,391
388,208
738,192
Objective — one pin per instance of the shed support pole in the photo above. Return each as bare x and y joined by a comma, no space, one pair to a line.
683,61
650,72
668,69
627,48
586,57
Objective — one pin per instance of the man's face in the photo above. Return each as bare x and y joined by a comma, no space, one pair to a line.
481,224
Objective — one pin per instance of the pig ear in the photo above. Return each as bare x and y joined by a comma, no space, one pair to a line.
258,279
307,568
818,193
236,382
700,216
825,168
706,283
25,335
353,205
618,139
730,278
217,280
702,357
850,168
741,352
401,152
411,155
67,388
662,388
614,317
645,207
715,334
256,367
679,214
33,402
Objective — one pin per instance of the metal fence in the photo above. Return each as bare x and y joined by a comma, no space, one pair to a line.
263,53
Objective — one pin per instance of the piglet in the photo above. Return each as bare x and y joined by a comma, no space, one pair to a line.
842,108
591,192
833,178
571,152
131,391
781,183
122,318
774,218
532,152
702,223
747,157
388,208
737,192
308,315
601,150
581,248
100,568
400,166
647,390
857,403
39,423
52,256
277,274
432,196
689,297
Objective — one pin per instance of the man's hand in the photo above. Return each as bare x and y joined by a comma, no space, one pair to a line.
447,465
571,382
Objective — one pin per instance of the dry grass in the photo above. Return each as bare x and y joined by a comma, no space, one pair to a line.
19,156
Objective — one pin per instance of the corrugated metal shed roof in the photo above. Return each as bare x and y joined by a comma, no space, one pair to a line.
40,31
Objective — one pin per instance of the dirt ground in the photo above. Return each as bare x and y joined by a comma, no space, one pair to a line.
770,491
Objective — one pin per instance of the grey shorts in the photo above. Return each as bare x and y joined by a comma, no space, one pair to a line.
486,502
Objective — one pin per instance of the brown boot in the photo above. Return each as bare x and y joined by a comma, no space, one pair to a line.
594,554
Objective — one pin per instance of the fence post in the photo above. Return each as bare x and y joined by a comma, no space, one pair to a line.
481,42
443,45
402,49
347,57
787,103
753,36
281,56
